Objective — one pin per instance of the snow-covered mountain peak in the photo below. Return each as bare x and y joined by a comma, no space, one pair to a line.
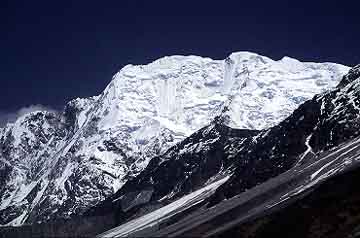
27,126
175,96
167,90
79,157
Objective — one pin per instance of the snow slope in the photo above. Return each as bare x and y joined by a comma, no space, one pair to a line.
155,217
58,165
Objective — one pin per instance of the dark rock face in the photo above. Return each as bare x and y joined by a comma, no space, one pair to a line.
317,125
36,136
353,74
203,156
332,210
190,164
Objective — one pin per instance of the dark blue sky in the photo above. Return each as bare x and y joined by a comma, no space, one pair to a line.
52,51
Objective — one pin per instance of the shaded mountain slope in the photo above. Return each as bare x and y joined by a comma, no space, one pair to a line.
331,210
247,214
198,160
57,165
318,127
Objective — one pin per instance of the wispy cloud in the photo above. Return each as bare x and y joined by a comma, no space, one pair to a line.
8,117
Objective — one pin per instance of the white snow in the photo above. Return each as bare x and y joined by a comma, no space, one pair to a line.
18,221
155,217
321,169
338,157
339,160
308,149
337,164
147,107
19,130
342,148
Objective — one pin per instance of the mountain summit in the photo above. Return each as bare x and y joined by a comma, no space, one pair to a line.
256,174
59,164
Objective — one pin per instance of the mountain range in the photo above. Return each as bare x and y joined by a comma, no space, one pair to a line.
183,134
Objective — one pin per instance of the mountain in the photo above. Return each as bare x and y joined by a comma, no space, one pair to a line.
302,202
197,161
58,164
333,207
295,168
318,125
250,160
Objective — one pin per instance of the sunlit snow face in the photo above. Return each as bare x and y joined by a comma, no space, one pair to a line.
147,109
184,93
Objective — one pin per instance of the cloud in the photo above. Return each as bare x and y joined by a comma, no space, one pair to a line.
8,117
